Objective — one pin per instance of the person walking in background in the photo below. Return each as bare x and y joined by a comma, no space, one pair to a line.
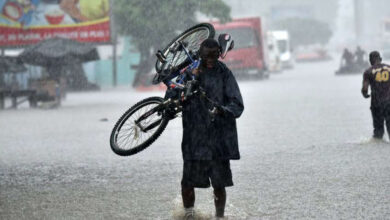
359,54
347,60
377,78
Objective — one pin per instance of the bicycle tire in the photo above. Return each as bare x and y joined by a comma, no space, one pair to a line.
125,117
184,35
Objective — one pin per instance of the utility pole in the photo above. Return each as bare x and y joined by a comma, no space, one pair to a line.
1,80
114,45
114,69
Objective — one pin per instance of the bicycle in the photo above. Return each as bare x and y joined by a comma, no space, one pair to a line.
145,121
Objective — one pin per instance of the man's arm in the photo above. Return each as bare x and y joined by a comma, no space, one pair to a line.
234,105
366,84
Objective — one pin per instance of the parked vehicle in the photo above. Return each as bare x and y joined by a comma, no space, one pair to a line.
311,54
247,59
273,54
283,41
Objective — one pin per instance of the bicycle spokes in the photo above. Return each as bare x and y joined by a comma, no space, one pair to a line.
139,127
192,42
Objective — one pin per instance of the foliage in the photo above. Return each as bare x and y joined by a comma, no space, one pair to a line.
153,24
304,31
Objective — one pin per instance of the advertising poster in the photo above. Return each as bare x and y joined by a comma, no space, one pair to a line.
24,22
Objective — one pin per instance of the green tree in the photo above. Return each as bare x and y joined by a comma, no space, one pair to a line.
153,24
305,31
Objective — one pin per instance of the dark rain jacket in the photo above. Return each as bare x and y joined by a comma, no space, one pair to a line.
204,139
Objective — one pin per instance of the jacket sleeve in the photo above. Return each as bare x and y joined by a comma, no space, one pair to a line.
233,103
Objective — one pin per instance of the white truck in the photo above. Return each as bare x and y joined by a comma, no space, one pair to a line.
272,53
283,43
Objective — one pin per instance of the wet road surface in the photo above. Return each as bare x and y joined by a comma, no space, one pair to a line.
304,139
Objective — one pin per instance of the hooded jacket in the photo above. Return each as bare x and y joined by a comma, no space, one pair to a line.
204,138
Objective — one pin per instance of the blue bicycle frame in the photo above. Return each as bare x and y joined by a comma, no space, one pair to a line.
182,73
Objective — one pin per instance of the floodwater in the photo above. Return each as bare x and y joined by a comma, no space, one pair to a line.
304,139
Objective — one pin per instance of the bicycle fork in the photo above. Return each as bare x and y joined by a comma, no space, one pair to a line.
158,109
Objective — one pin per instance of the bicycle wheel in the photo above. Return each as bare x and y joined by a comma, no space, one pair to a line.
192,38
129,137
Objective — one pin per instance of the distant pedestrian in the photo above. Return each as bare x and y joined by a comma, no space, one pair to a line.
347,59
377,78
359,54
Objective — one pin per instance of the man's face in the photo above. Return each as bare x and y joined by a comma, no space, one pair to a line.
209,56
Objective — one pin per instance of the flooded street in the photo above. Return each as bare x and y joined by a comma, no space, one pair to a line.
305,149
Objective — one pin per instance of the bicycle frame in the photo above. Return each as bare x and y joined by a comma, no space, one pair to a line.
194,63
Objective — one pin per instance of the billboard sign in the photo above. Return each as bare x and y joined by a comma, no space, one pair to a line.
24,22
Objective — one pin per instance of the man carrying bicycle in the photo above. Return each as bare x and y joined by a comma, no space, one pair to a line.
210,101
210,141
377,77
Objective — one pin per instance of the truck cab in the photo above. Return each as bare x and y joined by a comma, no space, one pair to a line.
246,60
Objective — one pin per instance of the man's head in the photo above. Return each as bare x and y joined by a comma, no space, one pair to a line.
209,53
375,58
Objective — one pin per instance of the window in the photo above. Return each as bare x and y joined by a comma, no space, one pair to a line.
243,37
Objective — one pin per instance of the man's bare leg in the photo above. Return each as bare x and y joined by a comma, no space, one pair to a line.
188,195
220,201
